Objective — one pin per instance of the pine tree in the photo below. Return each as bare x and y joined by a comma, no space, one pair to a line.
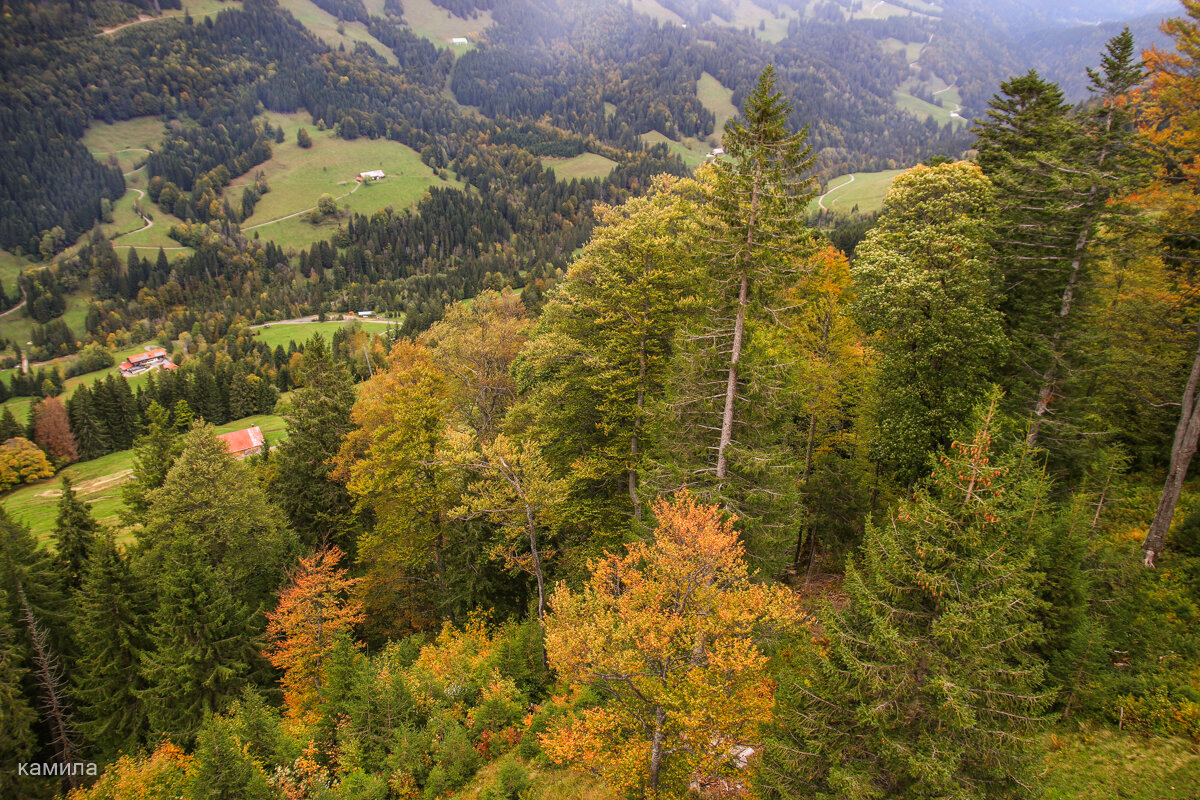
212,506
74,533
111,616
320,508
926,684
9,427
154,453
927,297
202,645
90,434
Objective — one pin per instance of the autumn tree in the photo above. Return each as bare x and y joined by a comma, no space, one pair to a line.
927,298
668,635
397,466
52,432
315,611
515,488
1168,117
924,682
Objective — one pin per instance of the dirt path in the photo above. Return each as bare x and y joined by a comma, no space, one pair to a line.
141,18
17,307
302,211
821,199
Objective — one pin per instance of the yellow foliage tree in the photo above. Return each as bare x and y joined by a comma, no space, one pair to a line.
668,633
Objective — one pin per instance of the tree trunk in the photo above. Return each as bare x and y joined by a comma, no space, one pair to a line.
1187,435
1050,376
739,330
635,443
656,750
49,677
731,382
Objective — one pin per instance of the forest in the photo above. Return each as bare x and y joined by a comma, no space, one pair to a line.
657,487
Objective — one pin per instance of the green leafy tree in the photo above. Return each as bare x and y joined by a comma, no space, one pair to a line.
925,683
74,533
927,298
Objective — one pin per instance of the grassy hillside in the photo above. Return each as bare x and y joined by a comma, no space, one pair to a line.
298,177
866,191
439,26
326,27
692,151
16,326
284,333
11,266
99,482
584,165
1096,764
717,99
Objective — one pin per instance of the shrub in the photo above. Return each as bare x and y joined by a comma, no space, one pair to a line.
511,782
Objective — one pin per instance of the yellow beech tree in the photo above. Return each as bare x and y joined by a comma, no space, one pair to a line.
668,634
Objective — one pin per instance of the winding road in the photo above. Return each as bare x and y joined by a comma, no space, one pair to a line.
821,199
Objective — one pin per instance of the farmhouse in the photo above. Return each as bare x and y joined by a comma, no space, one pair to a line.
371,175
244,443
144,362
460,40
717,152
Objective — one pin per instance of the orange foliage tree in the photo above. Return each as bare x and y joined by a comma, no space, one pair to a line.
52,432
313,614
668,633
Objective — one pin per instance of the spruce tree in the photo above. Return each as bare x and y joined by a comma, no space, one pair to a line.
320,508
9,427
202,645
90,434
223,767
17,737
154,453
74,533
926,684
111,616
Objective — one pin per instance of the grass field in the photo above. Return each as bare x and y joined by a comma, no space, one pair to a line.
298,177
282,334
866,191
439,26
16,326
199,9
99,482
1102,763
912,50
584,165
925,110
129,140
747,14
325,26
692,151
882,10
655,10
717,99
11,266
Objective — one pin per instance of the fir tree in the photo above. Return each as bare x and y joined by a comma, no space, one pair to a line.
17,737
320,508
154,453
74,533
9,427
203,643
927,685
223,768
111,615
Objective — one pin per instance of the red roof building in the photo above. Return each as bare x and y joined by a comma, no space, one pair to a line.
244,443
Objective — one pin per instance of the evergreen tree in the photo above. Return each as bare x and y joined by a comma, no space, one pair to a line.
320,508
927,685
202,645
926,294
223,767
17,737
213,507
111,616
90,435
9,427
74,533
154,453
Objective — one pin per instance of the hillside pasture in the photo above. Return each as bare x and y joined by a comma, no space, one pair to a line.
99,482
717,99
440,26
912,50
11,266
866,191
655,10
584,165
130,140
925,109
692,151
763,23
298,177
281,334
325,27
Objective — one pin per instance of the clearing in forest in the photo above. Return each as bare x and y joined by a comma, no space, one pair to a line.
333,33
692,151
442,27
763,23
584,165
717,99
298,177
862,189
